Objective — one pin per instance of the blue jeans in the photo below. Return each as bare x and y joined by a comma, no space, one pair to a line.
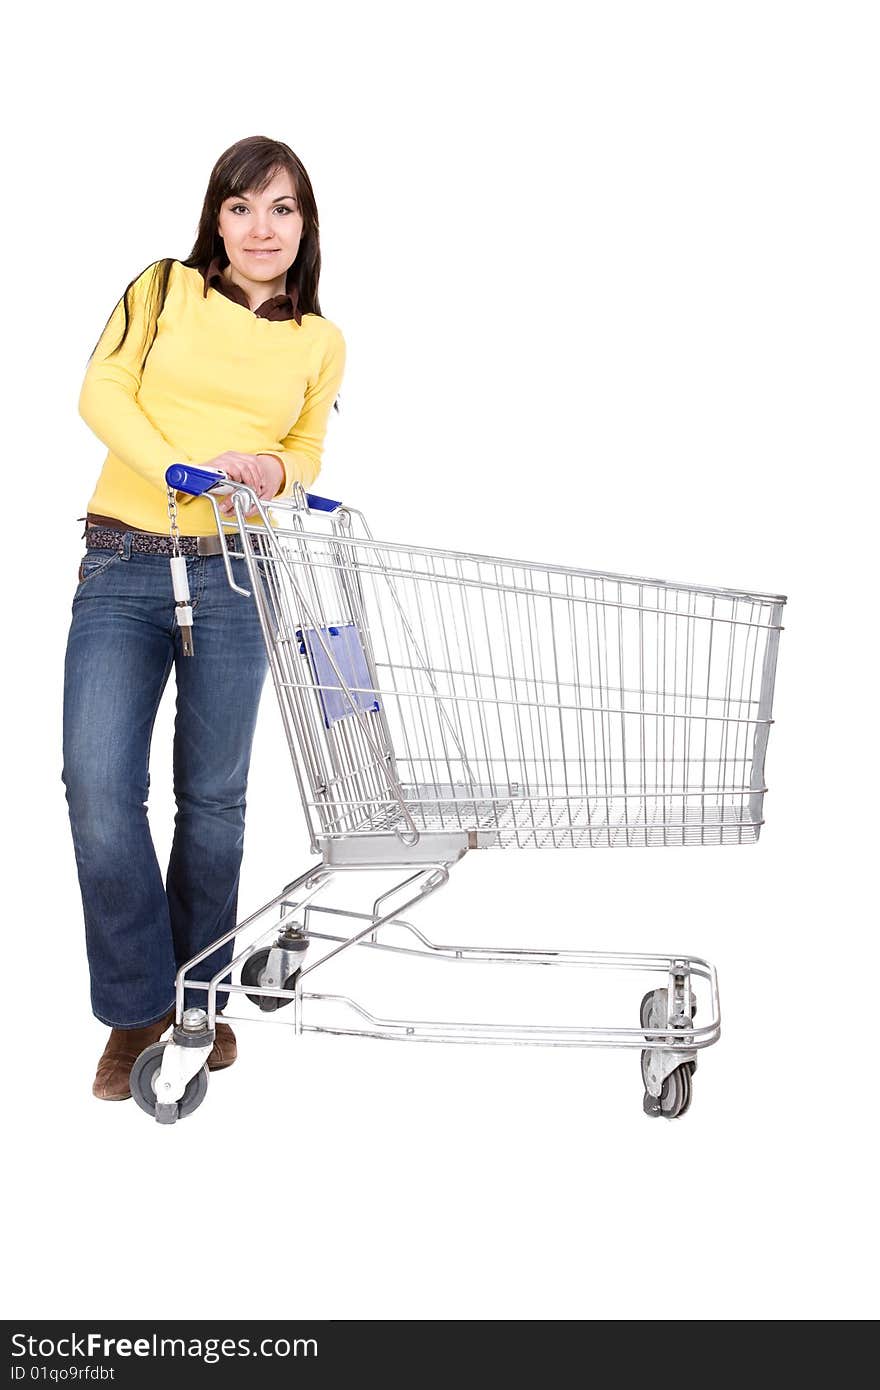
122,645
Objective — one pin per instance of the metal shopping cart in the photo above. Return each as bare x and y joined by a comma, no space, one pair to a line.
437,703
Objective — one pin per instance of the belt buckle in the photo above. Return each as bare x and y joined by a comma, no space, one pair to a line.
208,545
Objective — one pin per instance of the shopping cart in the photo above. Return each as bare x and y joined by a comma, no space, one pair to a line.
436,703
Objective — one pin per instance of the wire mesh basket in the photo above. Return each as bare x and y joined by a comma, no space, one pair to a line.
526,704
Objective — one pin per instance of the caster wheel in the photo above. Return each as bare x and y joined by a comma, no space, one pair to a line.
142,1081
687,1071
647,1003
250,975
676,1093
645,1008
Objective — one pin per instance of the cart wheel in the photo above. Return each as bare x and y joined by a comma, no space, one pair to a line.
675,1095
645,1008
250,975
142,1081
687,1071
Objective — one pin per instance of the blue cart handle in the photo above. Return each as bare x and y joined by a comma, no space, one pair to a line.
321,504
186,477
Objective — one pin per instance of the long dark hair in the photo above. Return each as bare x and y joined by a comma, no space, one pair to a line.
248,164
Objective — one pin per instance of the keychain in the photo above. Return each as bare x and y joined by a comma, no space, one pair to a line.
179,581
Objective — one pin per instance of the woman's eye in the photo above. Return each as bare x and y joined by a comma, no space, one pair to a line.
239,207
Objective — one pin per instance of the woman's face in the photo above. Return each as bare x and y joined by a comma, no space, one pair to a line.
261,231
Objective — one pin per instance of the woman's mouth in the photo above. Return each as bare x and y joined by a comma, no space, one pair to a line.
262,253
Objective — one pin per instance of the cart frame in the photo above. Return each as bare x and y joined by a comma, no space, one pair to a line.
365,814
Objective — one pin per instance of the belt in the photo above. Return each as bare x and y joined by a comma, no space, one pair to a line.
148,543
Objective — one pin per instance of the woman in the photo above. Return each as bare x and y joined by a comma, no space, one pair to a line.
224,360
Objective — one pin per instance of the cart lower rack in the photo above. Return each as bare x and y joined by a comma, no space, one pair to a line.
436,703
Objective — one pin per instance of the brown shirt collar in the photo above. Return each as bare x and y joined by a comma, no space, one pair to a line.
281,306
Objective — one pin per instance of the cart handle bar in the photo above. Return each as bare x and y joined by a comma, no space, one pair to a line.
188,478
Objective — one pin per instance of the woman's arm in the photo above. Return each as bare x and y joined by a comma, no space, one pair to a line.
299,453
108,399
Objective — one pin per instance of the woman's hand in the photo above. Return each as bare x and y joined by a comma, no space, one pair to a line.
262,473
273,474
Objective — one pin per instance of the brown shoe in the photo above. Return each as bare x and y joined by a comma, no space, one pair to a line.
123,1047
224,1051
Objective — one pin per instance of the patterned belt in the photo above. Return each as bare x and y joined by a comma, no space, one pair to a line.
148,543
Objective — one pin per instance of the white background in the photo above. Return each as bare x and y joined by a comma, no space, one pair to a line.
608,277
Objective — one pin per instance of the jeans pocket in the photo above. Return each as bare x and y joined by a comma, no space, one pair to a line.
93,563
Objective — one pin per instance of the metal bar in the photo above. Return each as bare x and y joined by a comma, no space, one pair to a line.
435,876
368,541
765,702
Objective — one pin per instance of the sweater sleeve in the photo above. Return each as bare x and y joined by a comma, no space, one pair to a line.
301,449
108,400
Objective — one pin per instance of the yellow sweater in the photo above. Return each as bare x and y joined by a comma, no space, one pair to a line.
217,378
